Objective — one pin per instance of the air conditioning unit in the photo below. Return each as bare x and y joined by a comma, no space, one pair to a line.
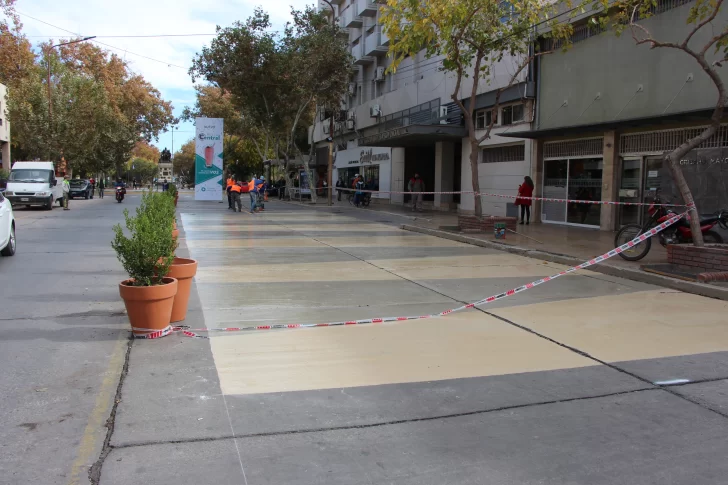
350,115
349,124
375,111
352,89
380,74
326,128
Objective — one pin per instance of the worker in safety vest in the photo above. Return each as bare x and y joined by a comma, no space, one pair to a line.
251,191
228,187
235,191
260,191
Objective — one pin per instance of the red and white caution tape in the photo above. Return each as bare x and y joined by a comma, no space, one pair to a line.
641,238
151,334
504,196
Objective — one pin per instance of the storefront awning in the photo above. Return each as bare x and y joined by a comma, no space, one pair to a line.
414,135
653,122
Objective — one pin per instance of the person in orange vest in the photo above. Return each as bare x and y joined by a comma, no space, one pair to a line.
228,188
251,191
260,189
235,191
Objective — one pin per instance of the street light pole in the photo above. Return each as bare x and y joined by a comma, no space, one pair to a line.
48,61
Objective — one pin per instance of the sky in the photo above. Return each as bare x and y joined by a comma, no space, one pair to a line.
171,57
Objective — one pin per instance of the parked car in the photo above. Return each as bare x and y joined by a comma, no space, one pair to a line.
3,185
7,227
80,188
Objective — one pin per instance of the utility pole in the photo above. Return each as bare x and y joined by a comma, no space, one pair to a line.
330,173
48,61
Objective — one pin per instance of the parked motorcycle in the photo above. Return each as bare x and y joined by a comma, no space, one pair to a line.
678,233
120,191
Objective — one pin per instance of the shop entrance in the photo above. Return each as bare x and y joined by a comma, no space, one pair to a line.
640,179
421,160
573,178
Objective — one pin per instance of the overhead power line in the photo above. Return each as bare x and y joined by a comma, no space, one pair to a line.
136,36
102,43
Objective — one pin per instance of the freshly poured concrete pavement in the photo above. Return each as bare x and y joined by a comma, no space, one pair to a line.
551,386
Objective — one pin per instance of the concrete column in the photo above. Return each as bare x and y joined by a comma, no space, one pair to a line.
444,170
610,174
537,176
397,182
6,156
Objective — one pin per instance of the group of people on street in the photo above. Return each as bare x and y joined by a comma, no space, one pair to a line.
256,188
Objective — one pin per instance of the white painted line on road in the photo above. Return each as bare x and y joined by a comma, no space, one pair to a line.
671,382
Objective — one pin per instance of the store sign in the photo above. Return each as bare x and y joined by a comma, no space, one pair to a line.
386,135
363,156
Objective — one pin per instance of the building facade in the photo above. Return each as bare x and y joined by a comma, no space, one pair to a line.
410,117
5,162
606,112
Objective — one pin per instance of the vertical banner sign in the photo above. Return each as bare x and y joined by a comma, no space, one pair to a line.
208,158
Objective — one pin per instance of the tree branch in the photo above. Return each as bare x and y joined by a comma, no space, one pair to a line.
702,24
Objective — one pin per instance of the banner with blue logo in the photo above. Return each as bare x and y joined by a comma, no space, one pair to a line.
208,158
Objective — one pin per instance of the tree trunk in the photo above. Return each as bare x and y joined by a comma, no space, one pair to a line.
474,175
311,181
673,163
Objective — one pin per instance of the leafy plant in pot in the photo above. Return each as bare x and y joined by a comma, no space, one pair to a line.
146,255
172,192
182,269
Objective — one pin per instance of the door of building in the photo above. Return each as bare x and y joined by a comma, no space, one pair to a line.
640,180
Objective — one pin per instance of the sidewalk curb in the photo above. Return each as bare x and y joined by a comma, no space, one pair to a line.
627,273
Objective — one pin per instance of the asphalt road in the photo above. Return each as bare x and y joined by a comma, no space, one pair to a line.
63,340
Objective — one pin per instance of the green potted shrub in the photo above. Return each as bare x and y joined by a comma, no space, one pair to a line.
146,255
172,192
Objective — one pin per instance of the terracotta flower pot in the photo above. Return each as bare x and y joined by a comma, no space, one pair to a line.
174,225
175,233
183,270
176,198
148,307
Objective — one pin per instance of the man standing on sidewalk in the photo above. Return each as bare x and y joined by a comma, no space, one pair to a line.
66,192
101,188
234,194
416,184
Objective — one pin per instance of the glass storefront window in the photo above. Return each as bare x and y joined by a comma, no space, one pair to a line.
576,178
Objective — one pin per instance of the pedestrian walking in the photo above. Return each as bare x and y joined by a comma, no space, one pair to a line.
525,190
66,192
261,187
253,195
101,188
92,183
235,191
415,185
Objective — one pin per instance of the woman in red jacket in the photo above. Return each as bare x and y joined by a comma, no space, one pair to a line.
525,190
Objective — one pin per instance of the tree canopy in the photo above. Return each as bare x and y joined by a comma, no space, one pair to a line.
100,108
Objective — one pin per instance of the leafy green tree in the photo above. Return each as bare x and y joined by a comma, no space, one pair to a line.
275,82
183,162
472,37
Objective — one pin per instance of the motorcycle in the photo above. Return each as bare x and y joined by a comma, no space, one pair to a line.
677,233
120,191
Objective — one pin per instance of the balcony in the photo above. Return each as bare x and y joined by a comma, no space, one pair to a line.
359,56
349,18
367,8
383,39
373,45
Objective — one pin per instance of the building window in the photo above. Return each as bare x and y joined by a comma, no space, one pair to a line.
512,114
511,153
483,118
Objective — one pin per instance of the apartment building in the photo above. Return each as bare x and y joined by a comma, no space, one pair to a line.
4,130
391,126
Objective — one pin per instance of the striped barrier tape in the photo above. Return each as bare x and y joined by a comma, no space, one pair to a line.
637,240
151,334
504,196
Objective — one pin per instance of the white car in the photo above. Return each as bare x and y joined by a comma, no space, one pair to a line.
7,227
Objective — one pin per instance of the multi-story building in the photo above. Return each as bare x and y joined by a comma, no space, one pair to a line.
391,126
607,110
4,129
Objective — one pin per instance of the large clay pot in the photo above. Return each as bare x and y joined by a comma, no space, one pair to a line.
175,233
149,307
183,270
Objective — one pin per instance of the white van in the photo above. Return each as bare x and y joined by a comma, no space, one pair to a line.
34,183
